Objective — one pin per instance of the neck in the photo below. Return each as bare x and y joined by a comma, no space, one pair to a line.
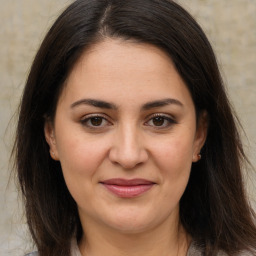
164,240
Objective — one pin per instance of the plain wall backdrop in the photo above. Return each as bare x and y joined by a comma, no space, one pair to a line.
229,24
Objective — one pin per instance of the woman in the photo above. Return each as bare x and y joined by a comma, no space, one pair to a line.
126,143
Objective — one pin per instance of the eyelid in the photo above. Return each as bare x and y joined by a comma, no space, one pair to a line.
168,117
161,114
164,115
87,117
95,115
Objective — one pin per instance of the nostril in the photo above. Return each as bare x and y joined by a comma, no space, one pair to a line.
128,147
128,160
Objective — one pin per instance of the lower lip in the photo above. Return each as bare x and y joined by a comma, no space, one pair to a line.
128,191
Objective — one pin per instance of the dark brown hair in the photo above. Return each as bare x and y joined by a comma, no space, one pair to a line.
214,209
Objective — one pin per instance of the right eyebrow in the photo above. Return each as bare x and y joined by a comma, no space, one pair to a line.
161,103
94,103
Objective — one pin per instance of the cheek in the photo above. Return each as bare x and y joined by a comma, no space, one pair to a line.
80,156
80,160
174,160
174,151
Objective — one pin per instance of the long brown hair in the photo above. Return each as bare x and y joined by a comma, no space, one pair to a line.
214,209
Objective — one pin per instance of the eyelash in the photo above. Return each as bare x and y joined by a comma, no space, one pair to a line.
89,118
167,119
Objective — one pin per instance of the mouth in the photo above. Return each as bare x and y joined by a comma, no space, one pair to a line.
127,188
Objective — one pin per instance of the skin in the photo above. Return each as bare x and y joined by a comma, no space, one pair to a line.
128,141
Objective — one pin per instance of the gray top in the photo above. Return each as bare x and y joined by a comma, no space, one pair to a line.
195,251
192,251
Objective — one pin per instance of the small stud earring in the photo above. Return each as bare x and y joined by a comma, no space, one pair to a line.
52,154
199,156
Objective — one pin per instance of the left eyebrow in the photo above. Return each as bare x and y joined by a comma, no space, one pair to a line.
95,103
161,103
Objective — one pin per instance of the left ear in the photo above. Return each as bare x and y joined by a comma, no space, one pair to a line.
201,135
51,140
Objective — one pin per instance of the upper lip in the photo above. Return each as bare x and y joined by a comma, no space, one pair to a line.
127,182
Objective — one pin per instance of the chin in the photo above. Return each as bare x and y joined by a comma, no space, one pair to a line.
135,222
132,227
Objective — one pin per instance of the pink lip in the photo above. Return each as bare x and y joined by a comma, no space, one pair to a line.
128,188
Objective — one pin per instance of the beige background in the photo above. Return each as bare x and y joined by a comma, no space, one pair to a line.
230,25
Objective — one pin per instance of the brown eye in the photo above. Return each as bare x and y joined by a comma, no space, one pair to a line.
96,121
158,121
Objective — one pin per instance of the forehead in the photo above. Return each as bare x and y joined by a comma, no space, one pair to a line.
116,70
125,56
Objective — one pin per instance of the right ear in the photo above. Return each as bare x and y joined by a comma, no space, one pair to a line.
50,139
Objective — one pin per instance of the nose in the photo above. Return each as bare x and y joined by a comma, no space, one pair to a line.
128,149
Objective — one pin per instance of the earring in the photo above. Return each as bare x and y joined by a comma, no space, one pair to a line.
199,156
52,154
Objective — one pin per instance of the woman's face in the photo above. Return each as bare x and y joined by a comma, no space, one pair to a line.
125,134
